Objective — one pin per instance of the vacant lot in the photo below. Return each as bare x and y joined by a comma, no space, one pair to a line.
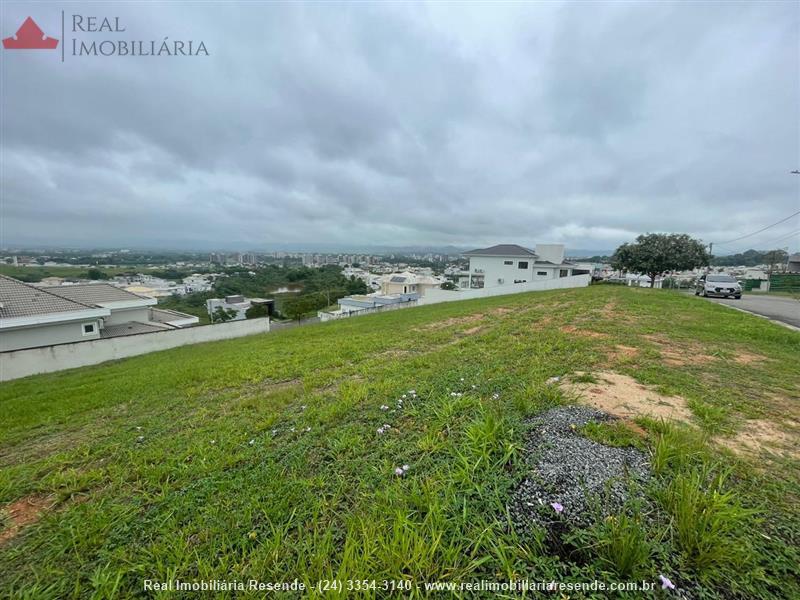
269,457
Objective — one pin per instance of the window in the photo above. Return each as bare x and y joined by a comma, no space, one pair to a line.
88,328
563,273
542,273
508,262
523,264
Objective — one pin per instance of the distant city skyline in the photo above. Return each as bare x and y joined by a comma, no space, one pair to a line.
387,124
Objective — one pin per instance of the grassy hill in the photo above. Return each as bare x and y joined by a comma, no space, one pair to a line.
261,458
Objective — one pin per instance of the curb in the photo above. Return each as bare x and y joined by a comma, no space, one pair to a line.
792,327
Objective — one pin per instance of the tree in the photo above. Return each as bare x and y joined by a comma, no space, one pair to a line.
657,253
299,306
96,274
222,315
256,311
448,285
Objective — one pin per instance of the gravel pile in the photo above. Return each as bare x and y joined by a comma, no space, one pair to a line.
572,476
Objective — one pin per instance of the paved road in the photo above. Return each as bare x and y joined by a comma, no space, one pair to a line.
779,308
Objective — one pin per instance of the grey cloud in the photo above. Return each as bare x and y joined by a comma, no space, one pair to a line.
393,124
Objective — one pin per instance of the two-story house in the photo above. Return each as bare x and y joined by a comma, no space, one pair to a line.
509,264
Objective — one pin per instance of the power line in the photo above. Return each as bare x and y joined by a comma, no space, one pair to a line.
779,238
763,244
760,230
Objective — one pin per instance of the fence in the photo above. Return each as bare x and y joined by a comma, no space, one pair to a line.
435,296
46,359
329,316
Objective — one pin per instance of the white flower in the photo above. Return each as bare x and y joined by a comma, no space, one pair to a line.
462,379
303,407
474,387
274,432
403,396
138,429
399,472
495,396
412,392
251,442
308,428
384,407
381,430
405,468
140,438
213,441
387,426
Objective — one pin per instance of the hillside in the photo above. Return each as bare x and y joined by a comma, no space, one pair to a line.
262,457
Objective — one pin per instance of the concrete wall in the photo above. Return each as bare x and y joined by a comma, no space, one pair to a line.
436,296
329,316
21,363
126,315
58,333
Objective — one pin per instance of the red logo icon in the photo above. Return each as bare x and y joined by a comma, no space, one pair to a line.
30,37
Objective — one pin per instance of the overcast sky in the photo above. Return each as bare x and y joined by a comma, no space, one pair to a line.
402,124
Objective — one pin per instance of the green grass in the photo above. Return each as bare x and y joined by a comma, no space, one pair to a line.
614,433
228,482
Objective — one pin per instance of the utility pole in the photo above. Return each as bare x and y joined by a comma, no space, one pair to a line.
710,248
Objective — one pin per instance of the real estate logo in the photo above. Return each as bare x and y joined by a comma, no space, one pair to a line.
30,37
103,36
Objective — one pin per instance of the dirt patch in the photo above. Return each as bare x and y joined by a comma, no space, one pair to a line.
21,513
571,329
396,353
757,436
501,311
473,330
746,358
452,321
623,397
620,353
678,355
609,310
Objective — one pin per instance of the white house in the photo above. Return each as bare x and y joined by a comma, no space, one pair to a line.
509,264
33,316
408,283
239,304
350,305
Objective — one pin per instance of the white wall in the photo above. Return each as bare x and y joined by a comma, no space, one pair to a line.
21,363
126,315
53,333
552,252
332,316
436,296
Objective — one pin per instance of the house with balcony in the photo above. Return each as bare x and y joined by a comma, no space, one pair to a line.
510,264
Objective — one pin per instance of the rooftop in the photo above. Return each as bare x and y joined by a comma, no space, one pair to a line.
19,299
502,250
93,294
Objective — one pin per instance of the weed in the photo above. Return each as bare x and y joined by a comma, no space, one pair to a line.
618,434
707,519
